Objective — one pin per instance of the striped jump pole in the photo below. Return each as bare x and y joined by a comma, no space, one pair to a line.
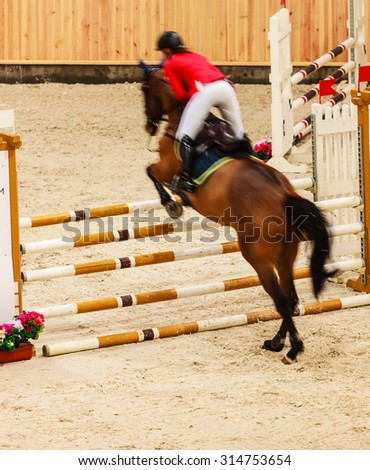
324,59
130,300
302,100
90,213
115,236
129,234
304,127
129,262
114,210
164,256
148,334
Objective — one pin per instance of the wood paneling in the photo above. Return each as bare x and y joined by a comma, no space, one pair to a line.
119,31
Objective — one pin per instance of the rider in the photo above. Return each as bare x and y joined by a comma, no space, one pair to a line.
199,85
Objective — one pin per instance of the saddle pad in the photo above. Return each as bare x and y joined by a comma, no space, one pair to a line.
204,165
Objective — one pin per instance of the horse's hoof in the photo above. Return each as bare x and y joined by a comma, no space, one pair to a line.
270,345
286,360
276,344
174,209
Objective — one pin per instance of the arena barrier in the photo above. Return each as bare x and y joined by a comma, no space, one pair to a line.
211,324
286,134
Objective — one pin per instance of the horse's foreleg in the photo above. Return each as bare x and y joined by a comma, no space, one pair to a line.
173,208
163,194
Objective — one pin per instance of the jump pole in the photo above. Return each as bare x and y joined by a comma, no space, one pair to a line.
79,215
321,61
147,259
119,235
303,127
115,236
90,213
126,262
150,334
310,94
130,300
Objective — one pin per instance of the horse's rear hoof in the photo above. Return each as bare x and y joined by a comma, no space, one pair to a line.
286,360
174,209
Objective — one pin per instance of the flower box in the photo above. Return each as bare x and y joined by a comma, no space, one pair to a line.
24,352
15,336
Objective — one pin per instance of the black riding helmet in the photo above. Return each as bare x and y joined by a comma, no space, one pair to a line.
170,40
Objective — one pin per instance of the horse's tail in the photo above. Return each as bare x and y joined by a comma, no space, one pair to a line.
308,220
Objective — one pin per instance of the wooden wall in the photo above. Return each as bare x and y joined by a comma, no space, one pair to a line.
229,32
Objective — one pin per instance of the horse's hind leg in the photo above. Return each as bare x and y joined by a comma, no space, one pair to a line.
270,283
285,272
285,304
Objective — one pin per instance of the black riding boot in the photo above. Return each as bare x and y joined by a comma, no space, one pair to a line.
186,153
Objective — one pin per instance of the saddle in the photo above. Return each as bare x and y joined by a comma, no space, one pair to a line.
218,136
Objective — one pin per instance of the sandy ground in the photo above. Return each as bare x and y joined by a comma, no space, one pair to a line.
84,146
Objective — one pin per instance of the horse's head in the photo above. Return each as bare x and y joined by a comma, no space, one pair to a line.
158,97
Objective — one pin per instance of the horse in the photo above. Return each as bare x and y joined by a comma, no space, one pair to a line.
256,200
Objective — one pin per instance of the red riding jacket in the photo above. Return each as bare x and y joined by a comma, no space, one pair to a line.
185,69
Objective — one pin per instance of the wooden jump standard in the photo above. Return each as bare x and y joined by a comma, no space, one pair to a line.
149,334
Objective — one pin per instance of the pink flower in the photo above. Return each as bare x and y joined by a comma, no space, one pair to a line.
7,328
263,148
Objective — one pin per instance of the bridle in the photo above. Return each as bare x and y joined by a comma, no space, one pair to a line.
153,123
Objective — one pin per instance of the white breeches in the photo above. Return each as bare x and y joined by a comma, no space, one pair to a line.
219,94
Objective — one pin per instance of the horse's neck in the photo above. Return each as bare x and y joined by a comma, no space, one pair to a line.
174,119
169,164
167,144
173,107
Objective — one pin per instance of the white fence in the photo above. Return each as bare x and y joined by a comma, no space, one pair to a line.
336,165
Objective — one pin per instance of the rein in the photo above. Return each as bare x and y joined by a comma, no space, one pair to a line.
170,136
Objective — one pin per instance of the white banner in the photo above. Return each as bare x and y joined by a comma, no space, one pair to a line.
175,459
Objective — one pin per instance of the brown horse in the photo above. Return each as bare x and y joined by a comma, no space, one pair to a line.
259,202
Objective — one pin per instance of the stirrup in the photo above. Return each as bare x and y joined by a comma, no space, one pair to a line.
184,184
